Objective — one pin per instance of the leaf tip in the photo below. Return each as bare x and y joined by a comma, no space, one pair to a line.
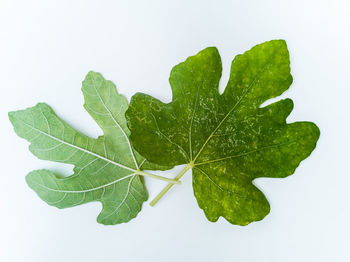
91,75
278,42
11,115
316,130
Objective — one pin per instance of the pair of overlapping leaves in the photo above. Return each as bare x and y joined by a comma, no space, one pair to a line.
227,139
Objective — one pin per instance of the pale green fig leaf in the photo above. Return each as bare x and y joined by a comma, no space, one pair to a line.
227,139
106,169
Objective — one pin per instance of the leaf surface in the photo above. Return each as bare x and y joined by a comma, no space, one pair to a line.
105,169
227,139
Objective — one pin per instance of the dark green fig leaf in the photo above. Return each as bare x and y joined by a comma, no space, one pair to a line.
106,169
227,139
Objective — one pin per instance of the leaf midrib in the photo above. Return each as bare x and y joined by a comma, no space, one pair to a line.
117,124
244,153
86,190
80,148
231,110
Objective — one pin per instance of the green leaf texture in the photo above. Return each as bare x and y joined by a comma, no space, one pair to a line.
227,139
105,169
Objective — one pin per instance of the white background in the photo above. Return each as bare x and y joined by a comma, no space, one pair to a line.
47,47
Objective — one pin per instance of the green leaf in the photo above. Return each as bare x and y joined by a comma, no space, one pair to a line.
106,169
227,139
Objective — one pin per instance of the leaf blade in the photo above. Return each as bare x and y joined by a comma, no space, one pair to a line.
233,140
101,166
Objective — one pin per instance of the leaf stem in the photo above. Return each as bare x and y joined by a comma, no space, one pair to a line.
167,188
169,180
